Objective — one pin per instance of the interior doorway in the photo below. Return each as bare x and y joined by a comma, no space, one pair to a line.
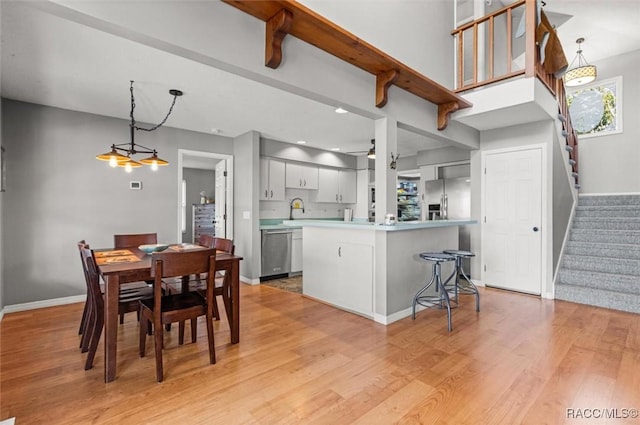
205,182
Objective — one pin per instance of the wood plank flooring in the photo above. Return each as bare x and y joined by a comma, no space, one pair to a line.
521,360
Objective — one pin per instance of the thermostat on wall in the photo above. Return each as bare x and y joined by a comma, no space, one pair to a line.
135,185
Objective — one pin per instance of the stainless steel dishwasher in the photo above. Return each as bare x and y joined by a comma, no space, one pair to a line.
276,253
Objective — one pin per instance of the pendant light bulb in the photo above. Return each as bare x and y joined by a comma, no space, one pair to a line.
154,165
128,168
113,162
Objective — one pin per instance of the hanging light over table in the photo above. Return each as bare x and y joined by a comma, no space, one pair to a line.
121,155
582,73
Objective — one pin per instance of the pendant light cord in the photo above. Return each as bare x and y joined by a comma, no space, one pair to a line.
133,106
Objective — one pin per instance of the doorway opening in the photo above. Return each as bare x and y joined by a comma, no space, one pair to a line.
205,195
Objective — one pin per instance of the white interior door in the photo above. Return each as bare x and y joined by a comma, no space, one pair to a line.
512,233
221,199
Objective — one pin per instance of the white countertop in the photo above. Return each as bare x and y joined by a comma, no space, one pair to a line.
365,225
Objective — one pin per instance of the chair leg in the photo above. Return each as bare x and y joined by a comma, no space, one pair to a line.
95,338
194,330
181,332
83,320
90,323
210,337
158,345
216,312
149,328
144,324
121,318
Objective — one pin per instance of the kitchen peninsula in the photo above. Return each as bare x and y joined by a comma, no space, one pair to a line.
371,269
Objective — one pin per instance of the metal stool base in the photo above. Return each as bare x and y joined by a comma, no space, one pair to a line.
441,298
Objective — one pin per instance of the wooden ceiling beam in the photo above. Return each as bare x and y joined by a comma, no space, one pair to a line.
284,17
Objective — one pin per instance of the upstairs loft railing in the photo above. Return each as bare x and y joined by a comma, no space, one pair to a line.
502,45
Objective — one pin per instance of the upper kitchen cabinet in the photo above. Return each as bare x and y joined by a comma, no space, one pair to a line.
337,186
301,176
272,174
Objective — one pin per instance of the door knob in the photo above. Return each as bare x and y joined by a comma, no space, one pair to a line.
535,229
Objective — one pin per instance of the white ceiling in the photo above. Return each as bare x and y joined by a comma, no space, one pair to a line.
52,61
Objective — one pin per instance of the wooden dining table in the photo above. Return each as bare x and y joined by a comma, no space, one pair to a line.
134,266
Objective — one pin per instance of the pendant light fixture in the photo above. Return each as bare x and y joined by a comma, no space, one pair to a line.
372,150
121,155
582,73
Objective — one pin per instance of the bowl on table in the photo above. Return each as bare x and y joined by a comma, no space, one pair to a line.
154,247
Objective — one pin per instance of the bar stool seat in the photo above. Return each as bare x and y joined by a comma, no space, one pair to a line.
464,285
441,297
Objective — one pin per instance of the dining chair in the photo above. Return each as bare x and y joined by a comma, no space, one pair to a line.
187,305
95,318
130,293
221,286
94,306
134,240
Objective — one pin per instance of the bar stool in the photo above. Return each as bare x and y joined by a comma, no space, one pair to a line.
459,285
441,298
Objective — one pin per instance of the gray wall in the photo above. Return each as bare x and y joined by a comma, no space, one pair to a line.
609,164
54,203
246,176
196,182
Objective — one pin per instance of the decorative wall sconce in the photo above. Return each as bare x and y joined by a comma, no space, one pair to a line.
394,159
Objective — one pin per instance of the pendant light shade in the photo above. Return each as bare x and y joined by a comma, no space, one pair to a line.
582,73
121,155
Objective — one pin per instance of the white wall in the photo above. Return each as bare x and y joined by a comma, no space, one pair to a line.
59,194
609,164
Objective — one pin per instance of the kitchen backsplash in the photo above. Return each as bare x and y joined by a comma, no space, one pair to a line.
280,209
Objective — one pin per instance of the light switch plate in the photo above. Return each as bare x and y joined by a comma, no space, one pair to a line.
246,215
135,185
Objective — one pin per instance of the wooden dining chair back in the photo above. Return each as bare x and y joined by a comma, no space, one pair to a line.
95,317
134,240
206,241
187,305
85,312
226,245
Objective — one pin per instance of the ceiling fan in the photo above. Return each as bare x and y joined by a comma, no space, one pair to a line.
371,153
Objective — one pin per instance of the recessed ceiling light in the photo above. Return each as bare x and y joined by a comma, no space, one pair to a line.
341,111
301,142
335,149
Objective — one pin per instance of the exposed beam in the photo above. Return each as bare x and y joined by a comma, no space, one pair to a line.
290,17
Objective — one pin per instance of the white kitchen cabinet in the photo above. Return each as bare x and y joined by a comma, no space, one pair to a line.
339,268
272,176
301,176
296,251
337,186
347,186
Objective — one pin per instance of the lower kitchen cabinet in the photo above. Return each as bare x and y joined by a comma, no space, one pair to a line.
296,251
338,269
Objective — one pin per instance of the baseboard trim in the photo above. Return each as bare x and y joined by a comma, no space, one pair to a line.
43,304
249,281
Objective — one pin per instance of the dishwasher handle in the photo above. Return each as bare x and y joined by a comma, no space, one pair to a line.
276,232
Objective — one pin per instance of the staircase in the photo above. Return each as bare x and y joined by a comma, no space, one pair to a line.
601,263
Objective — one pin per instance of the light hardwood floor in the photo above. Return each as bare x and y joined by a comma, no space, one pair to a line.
520,360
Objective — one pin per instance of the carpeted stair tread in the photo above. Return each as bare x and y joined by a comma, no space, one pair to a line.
600,298
607,223
621,266
605,236
598,280
584,200
603,250
609,211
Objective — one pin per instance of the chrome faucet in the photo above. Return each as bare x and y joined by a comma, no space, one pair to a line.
293,205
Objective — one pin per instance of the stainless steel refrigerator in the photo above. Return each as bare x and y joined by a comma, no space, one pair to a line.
450,199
